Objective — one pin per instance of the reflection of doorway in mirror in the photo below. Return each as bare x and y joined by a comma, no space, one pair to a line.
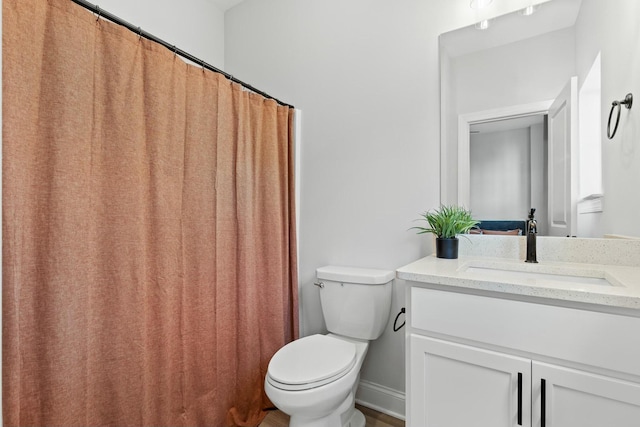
508,169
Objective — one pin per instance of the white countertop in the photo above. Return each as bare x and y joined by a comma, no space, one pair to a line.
624,291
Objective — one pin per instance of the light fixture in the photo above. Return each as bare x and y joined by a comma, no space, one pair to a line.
479,4
482,25
529,10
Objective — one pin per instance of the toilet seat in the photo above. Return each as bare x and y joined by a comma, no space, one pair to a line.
311,362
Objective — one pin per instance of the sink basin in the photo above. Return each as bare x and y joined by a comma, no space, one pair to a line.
538,273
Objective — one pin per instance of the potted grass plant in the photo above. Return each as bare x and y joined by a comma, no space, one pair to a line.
447,223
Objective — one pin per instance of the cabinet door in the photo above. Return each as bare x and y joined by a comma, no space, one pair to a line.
574,398
456,385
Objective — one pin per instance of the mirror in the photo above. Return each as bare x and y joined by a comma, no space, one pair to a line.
517,68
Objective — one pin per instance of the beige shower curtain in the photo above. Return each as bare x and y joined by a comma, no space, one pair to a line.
149,267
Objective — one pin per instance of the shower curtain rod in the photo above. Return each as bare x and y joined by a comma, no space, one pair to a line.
113,18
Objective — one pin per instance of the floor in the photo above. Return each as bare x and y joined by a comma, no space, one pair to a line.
374,419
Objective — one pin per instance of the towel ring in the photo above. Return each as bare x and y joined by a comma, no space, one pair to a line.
627,102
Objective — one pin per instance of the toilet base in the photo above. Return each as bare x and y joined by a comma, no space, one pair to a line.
357,419
337,418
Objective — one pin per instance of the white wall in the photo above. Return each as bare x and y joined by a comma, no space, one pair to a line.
509,174
195,26
614,31
365,73
500,174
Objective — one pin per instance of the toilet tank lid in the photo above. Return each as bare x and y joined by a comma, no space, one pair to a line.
365,276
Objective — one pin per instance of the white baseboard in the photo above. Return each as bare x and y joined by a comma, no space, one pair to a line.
382,399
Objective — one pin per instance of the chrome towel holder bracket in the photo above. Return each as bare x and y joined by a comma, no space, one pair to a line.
627,102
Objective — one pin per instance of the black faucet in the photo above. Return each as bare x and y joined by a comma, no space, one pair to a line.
532,230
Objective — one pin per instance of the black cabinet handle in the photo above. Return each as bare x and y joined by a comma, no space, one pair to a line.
543,403
519,398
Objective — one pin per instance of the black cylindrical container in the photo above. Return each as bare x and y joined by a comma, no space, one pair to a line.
447,248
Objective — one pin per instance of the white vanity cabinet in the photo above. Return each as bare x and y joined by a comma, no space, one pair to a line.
480,360
459,385
579,398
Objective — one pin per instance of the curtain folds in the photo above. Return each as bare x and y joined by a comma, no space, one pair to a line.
149,254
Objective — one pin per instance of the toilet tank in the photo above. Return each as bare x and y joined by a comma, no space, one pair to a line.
355,301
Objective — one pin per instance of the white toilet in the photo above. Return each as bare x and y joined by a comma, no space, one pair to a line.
314,379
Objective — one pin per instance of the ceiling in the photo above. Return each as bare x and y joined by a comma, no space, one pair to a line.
224,5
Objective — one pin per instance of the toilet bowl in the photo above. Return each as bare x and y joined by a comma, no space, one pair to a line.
314,379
